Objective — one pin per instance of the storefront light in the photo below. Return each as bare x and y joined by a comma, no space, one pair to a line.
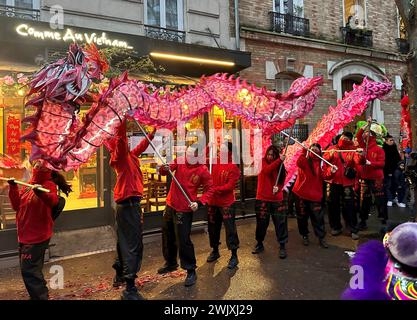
21,92
191,59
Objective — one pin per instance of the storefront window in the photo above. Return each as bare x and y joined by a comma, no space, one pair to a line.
226,129
87,181
13,153
156,185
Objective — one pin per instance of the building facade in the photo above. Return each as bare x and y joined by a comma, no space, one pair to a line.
38,31
342,40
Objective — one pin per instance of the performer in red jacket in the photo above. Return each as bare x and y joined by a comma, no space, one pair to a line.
340,189
372,175
35,223
309,191
128,192
222,209
178,215
270,202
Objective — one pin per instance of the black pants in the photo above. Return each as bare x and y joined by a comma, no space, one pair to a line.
277,210
313,210
129,220
217,216
291,203
176,232
375,188
341,199
31,263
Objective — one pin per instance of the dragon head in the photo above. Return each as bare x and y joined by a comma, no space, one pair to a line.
68,80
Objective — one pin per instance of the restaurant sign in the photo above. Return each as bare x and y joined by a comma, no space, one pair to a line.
68,34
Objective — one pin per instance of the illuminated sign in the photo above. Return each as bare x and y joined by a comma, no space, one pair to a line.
66,35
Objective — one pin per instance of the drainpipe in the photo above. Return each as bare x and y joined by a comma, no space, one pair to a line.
237,25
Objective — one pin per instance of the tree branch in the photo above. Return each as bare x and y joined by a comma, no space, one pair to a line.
404,8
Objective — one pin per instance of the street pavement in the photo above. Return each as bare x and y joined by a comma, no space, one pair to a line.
308,272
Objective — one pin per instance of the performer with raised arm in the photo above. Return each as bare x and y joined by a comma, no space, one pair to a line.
372,174
340,193
128,192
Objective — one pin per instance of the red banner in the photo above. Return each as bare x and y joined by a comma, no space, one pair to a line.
13,135
405,131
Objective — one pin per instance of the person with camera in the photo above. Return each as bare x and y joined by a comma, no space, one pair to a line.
340,193
392,158
35,215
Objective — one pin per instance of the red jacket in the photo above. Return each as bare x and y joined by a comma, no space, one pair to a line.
33,209
190,177
225,177
351,159
309,186
129,180
375,155
266,182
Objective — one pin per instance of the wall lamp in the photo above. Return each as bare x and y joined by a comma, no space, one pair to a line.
190,59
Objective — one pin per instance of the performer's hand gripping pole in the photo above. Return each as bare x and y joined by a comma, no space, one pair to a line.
275,188
25,184
165,164
305,147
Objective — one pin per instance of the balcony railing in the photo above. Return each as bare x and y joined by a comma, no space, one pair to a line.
22,13
286,23
403,45
164,34
357,37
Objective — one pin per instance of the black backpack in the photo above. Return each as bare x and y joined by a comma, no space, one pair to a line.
56,211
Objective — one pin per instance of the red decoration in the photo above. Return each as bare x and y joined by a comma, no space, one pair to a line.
13,135
405,123
218,124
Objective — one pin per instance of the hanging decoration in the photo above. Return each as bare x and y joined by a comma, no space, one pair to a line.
405,129
65,141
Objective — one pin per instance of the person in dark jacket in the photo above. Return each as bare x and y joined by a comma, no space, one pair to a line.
392,157
399,177
35,223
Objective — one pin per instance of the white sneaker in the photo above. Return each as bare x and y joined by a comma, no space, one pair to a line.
402,205
389,203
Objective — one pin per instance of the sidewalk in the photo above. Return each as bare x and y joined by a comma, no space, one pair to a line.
308,272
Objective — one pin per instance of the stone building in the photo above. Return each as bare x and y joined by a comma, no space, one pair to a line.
342,40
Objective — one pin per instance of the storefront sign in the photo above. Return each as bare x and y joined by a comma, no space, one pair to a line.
13,135
68,34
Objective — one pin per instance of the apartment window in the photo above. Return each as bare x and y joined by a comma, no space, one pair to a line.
26,4
354,14
164,13
283,81
292,7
